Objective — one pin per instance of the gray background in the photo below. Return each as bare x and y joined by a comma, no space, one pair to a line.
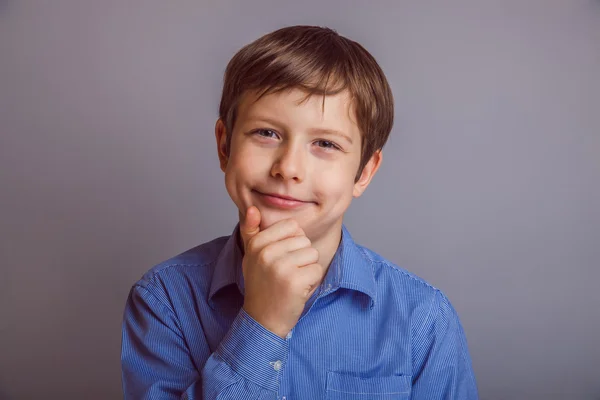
490,186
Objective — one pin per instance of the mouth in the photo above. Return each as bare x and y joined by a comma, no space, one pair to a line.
281,201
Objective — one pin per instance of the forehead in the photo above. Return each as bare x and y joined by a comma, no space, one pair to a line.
298,107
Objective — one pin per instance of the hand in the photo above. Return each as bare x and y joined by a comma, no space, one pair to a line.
281,271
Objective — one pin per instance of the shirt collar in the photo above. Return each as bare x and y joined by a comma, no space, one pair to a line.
350,268
228,268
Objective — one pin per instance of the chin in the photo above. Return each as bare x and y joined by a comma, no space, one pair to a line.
271,216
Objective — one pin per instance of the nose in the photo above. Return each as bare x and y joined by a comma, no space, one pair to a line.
290,163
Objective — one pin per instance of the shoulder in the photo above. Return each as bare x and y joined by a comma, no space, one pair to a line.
387,272
428,306
192,264
407,290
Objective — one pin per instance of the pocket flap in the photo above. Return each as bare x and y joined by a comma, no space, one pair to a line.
391,386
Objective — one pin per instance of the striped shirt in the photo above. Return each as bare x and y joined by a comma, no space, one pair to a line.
370,331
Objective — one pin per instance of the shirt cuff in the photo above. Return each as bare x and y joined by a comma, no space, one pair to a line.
253,351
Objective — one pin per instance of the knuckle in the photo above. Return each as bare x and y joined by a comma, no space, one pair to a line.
276,265
251,245
314,254
304,241
280,272
265,256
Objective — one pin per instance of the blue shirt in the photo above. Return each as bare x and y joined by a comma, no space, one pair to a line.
371,331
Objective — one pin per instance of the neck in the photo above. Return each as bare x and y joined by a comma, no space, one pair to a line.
327,246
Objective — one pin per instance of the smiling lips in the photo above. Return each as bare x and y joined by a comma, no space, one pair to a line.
281,201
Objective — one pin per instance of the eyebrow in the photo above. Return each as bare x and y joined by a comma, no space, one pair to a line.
314,131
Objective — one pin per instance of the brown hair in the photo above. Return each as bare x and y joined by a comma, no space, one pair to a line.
318,61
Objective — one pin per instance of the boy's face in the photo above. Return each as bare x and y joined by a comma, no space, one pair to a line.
282,147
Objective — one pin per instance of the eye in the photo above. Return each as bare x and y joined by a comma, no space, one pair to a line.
267,133
326,144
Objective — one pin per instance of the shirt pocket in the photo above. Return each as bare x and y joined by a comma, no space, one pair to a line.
348,387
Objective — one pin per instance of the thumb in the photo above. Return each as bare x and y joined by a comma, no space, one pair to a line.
250,224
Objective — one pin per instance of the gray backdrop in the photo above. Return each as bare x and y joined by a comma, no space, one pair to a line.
490,186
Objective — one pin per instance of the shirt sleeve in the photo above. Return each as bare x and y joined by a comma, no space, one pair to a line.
441,361
157,364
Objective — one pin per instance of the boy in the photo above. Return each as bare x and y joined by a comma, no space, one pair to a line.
288,306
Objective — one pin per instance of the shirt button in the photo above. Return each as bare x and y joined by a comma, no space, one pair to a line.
289,335
329,286
276,365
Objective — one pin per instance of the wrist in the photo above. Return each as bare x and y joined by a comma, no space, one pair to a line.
272,326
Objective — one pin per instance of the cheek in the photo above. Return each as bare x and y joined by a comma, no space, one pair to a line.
244,169
235,177
247,160
334,187
230,185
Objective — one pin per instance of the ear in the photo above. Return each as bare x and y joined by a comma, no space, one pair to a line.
367,174
221,136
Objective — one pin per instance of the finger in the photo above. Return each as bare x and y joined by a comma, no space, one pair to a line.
281,248
250,224
278,231
298,258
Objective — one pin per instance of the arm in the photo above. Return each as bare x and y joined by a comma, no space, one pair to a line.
157,364
441,362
